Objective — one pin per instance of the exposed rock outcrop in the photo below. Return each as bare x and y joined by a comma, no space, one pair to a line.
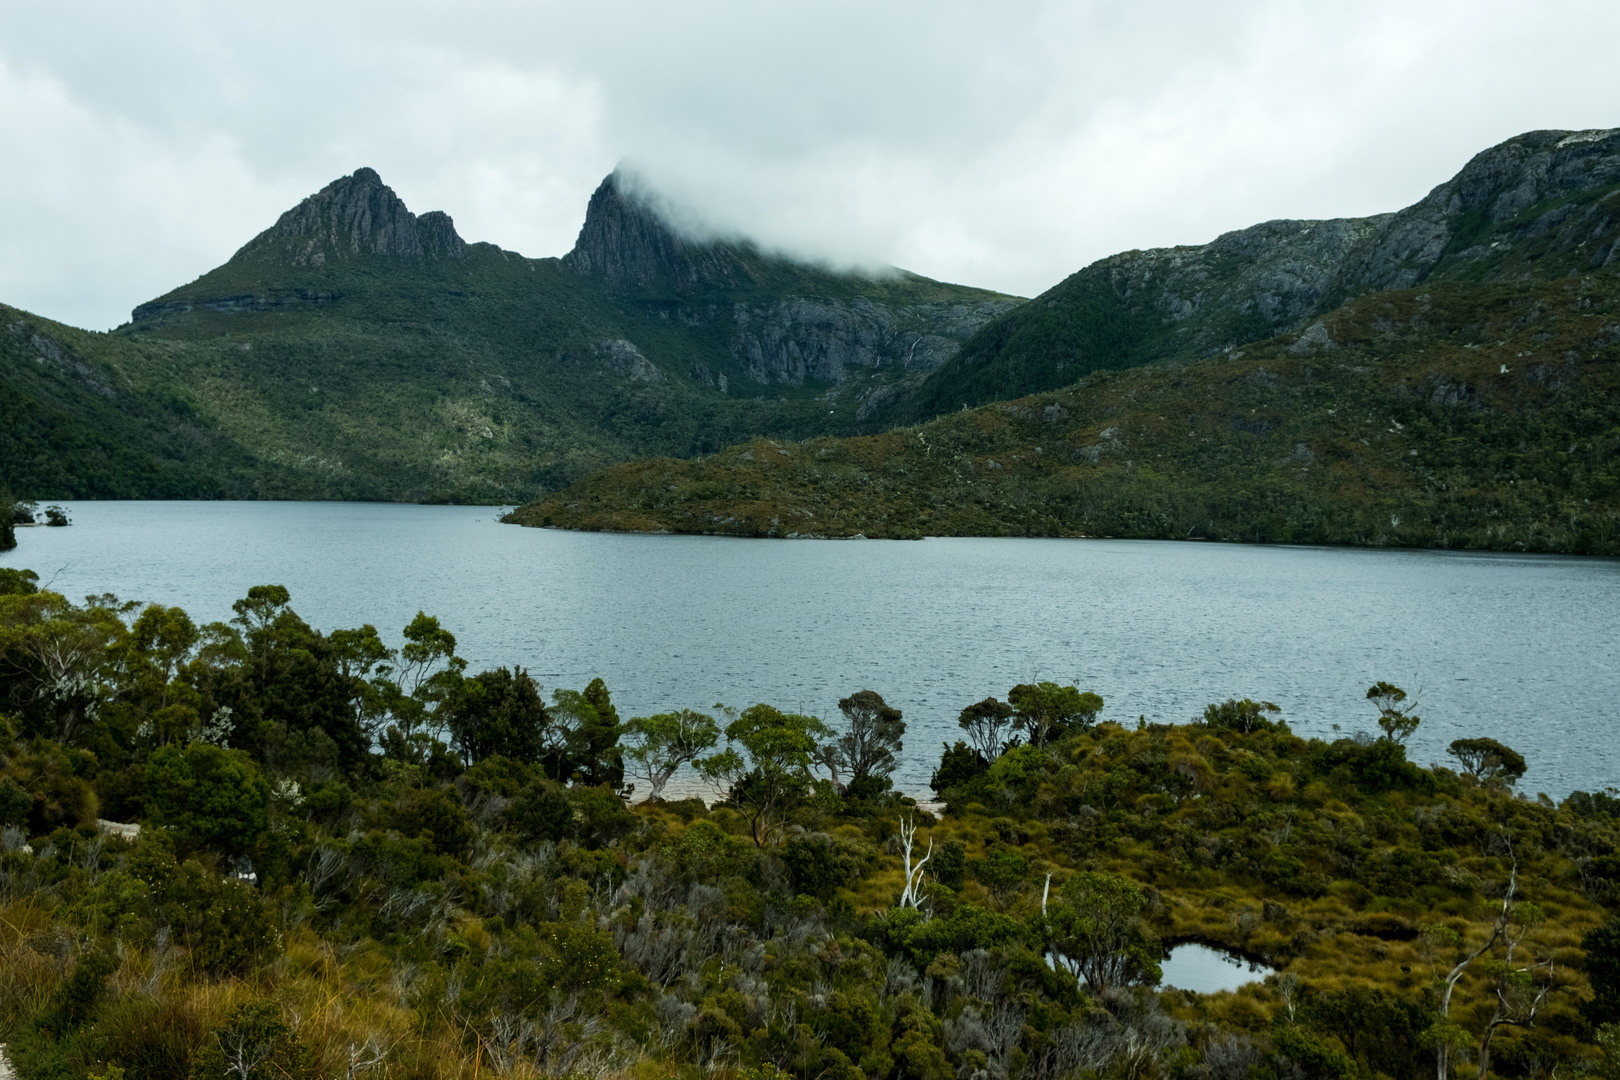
1282,272
621,357
48,352
354,216
625,241
800,339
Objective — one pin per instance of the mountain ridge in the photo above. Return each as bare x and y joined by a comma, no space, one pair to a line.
1193,301
357,350
1446,375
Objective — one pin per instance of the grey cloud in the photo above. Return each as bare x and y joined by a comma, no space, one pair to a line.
1003,145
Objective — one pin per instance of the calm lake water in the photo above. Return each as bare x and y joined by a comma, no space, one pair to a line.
1522,649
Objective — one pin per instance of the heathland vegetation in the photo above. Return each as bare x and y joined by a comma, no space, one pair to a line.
359,860
1463,416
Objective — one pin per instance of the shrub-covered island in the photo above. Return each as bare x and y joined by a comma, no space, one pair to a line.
257,850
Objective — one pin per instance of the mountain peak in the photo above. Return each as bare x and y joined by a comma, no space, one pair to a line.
353,216
628,241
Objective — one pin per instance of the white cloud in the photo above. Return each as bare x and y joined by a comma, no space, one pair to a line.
1004,146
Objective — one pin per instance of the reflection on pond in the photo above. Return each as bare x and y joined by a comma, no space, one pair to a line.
1204,970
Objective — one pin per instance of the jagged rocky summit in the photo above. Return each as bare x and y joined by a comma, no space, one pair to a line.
357,350
351,217
782,324
625,240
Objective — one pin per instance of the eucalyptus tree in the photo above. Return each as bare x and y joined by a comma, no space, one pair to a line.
661,744
1046,710
985,723
54,658
766,765
869,746
1395,718
1487,760
1094,929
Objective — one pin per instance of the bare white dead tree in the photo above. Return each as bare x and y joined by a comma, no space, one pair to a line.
1520,991
364,1056
911,895
243,1055
1498,925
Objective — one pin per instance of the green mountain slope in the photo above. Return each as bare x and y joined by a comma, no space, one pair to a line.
86,415
357,350
1455,415
1542,205
371,353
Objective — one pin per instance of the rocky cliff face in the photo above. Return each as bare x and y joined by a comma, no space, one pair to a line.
1249,283
354,216
800,339
817,332
1267,278
1545,191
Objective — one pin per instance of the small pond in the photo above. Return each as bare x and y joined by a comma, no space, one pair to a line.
1204,970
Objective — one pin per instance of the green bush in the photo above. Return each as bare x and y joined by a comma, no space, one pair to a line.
15,803
600,815
541,811
818,865
949,864
959,767
255,1041
437,816
212,798
14,582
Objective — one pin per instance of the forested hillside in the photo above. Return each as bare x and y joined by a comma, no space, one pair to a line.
86,416
253,849
1465,416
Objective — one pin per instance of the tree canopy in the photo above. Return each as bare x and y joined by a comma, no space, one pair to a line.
867,747
1488,760
1045,710
766,764
660,744
1394,717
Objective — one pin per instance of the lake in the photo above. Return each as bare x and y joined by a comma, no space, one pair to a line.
1518,648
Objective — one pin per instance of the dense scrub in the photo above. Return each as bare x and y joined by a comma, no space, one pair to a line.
356,860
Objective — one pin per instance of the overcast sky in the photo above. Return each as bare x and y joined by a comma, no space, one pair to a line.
1003,145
